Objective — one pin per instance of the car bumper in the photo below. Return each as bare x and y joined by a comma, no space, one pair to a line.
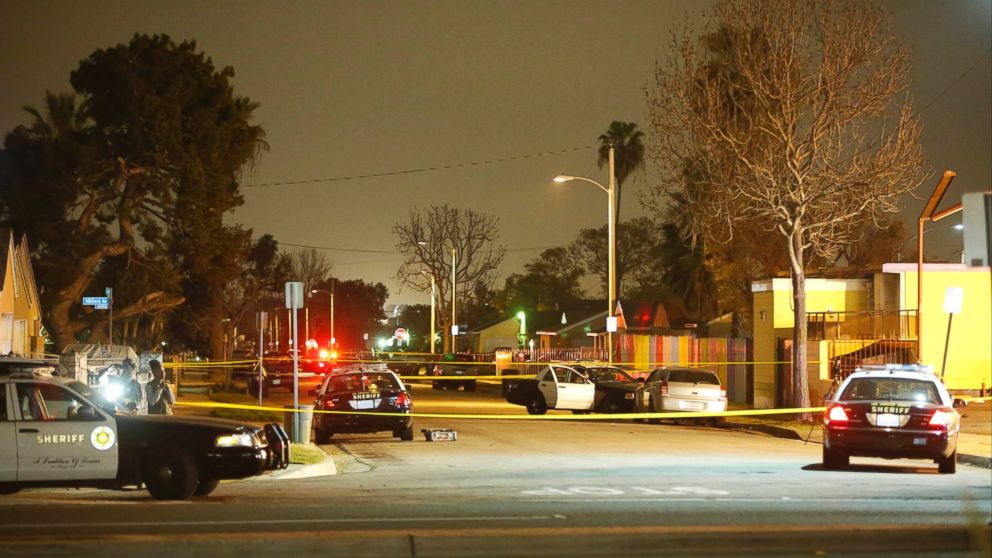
891,443
360,423
669,404
237,463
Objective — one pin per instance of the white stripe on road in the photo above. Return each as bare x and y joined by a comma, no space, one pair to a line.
119,524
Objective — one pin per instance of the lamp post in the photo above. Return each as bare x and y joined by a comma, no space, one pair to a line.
329,293
611,241
433,296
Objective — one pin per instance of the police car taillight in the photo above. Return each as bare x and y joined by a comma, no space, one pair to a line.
437,370
402,400
723,394
664,388
836,413
328,404
941,418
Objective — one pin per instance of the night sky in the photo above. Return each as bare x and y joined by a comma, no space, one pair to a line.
359,88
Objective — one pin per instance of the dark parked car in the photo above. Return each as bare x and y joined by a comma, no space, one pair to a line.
896,411
366,392
278,372
615,388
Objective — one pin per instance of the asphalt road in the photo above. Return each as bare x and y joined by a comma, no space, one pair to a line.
543,488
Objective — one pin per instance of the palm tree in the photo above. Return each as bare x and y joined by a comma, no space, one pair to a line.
628,153
62,116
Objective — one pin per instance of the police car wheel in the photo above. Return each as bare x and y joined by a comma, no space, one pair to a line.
206,486
948,465
405,434
537,406
834,460
171,474
322,436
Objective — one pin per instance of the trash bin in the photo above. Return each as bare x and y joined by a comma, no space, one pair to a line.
303,419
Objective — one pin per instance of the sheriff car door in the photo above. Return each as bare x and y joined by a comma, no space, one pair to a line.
8,440
548,387
61,435
574,390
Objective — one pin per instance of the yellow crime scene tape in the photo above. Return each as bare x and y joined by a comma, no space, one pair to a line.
473,416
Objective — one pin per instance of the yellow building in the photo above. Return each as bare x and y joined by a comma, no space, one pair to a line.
872,319
20,309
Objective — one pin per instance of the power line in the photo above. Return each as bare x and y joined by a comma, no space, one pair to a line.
362,251
420,170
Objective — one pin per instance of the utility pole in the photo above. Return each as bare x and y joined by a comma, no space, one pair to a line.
454,321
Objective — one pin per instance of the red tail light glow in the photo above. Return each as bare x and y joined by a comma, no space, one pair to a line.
836,413
723,394
328,404
437,370
664,388
942,418
402,400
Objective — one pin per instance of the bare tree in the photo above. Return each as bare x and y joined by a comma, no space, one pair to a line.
802,129
426,241
311,267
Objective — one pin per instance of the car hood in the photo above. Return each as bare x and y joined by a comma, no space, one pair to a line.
182,421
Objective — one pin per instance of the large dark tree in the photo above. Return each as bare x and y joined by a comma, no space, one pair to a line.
358,309
551,282
150,157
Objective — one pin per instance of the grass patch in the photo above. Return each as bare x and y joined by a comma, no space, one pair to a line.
246,415
306,454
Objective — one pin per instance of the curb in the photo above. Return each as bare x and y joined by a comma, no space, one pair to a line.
325,468
790,434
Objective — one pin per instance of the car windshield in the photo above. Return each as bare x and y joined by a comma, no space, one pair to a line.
608,375
891,389
367,381
693,377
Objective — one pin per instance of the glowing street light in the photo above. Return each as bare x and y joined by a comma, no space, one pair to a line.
611,241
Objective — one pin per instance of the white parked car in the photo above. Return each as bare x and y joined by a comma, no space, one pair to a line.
555,387
682,389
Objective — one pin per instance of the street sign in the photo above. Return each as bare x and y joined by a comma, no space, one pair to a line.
953,300
294,294
96,301
611,324
101,306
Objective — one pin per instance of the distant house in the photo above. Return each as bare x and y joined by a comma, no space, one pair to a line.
547,329
20,308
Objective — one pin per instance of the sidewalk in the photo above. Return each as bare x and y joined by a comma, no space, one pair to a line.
974,440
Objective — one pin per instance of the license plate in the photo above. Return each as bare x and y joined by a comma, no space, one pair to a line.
691,405
365,404
276,382
887,420
919,441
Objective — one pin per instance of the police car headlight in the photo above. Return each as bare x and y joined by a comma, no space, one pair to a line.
113,391
235,441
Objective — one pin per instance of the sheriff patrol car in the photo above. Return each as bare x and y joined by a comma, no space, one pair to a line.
56,432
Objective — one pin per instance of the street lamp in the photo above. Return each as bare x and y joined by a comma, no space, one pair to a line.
330,294
611,241
433,296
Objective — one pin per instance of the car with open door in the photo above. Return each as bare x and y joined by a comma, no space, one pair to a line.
555,387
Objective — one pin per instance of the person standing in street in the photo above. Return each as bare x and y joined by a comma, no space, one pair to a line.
158,392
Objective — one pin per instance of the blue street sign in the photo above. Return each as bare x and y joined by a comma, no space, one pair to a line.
101,306
96,301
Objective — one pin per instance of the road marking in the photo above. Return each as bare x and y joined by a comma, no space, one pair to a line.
634,491
122,524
